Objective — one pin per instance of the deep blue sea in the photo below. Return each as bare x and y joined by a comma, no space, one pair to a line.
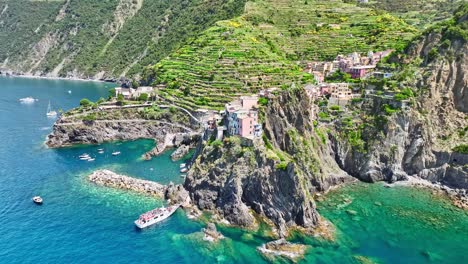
83,223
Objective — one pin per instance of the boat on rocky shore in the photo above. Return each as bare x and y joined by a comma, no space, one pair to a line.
155,216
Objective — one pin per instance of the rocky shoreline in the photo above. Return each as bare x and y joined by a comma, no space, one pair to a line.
459,197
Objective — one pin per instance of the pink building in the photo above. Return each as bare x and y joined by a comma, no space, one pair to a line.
249,102
242,118
360,71
247,124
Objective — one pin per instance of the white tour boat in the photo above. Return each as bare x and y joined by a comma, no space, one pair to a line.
155,216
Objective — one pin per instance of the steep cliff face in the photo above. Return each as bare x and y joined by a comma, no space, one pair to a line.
419,140
276,177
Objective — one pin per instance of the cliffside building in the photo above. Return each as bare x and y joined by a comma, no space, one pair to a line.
241,117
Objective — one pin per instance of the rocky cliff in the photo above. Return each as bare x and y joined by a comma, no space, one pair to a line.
275,177
72,129
419,139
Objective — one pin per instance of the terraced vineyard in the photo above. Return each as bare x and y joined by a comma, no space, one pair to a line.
262,48
419,13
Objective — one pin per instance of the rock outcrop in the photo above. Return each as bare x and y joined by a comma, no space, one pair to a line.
283,248
180,152
419,140
211,234
275,177
166,135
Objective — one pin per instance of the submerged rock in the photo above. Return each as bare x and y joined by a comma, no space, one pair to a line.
283,248
211,233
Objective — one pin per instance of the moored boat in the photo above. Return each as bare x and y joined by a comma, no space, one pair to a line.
155,216
50,112
37,200
115,153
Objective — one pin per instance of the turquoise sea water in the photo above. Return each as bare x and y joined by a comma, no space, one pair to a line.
82,223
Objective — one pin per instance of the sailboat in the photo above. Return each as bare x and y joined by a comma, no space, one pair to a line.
50,112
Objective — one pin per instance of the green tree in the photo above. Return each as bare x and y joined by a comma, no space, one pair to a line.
135,84
85,102
143,97
111,93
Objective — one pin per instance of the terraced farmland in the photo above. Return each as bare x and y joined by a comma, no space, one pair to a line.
262,48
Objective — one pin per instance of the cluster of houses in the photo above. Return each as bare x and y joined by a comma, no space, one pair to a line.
130,93
339,93
355,64
239,118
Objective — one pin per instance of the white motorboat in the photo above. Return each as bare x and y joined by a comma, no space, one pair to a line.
115,153
155,216
91,159
101,151
50,112
183,165
37,200
28,100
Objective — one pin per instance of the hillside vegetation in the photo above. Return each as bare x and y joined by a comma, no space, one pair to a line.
100,39
261,48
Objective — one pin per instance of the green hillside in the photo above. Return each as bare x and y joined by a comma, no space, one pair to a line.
419,13
113,37
261,48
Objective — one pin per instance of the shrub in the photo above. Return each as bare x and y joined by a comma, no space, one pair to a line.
100,101
172,109
216,144
267,142
335,107
389,110
463,149
111,93
85,102
90,117
323,115
143,97
282,165
263,101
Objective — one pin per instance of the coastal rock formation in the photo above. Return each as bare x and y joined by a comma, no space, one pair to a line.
211,234
180,152
419,140
110,179
166,134
245,176
176,194
283,248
